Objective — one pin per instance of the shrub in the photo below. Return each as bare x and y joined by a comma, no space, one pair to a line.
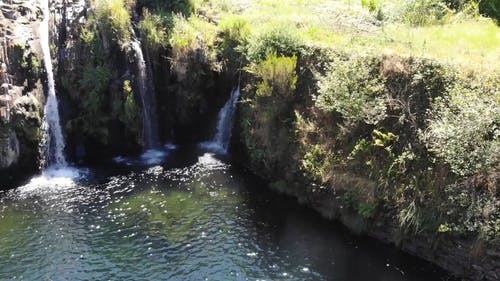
267,116
233,34
280,41
131,109
153,27
490,8
189,35
278,77
372,5
184,7
464,127
94,84
316,163
469,210
353,88
424,12
115,17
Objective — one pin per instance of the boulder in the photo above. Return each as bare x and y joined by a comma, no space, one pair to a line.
9,149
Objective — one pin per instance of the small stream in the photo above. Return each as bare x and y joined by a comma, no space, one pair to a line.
195,217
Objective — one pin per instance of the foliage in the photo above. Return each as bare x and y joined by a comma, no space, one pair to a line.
367,210
280,41
192,35
354,89
114,17
153,27
277,76
424,12
464,126
267,115
490,8
94,84
316,163
183,7
232,36
468,211
131,111
372,5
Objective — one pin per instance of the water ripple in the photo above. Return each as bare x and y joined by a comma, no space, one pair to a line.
191,223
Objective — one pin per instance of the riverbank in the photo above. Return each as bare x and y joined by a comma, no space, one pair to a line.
383,144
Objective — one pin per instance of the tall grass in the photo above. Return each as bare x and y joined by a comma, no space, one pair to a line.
114,17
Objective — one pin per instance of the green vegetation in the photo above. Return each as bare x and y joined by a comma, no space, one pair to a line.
352,89
114,18
94,85
387,135
464,127
411,138
266,113
451,31
326,101
153,27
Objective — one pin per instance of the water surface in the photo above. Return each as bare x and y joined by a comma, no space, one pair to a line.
193,218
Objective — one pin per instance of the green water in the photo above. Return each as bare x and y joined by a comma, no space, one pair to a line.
193,218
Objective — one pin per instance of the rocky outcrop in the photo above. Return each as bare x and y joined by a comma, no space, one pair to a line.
22,75
21,90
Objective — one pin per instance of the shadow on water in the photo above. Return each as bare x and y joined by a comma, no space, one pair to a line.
191,218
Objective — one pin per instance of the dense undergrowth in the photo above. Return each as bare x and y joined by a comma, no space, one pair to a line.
393,106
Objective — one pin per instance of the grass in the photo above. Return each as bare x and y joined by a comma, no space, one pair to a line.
116,16
465,40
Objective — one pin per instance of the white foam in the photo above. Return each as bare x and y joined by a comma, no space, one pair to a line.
55,177
150,157
212,147
208,159
153,157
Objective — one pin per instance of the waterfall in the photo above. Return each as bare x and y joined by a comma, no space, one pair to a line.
146,91
222,137
52,146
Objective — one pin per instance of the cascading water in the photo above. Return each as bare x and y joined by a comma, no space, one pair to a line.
146,91
220,141
52,146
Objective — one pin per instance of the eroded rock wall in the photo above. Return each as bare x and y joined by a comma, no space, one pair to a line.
21,88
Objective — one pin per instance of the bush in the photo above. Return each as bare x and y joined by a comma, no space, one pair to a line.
267,116
280,41
232,36
464,126
190,35
278,77
490,8
317,163
424,12
115,17
94,84
353,88
154,29
184,7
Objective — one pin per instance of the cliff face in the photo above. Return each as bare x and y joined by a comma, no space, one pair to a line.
21,90
22,77
355,140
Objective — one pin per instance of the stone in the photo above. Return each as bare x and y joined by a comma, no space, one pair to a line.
4,115
4,89
9,150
